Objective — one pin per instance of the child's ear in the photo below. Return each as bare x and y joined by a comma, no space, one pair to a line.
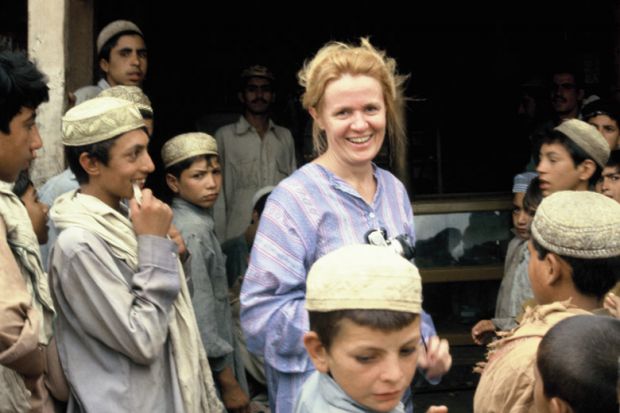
554,268
586,169
255,217
173,183
316,351
89,164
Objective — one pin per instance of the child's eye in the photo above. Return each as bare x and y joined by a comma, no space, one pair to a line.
407,351
364,359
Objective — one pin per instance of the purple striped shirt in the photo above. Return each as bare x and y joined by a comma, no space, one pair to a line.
309,214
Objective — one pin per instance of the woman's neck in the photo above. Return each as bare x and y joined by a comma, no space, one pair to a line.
361,177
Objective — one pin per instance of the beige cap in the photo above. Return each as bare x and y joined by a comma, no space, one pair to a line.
131,93
99,119
186,146
578,224
113,29
257,71
364,277
588,138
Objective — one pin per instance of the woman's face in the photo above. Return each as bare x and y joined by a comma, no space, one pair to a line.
352,114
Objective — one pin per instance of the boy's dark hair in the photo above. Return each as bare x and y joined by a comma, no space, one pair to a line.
578,363
22,183
593,276
533,196
260,204
99,151
602,107
327,324
577,154
177,169
614,159
21,85
107,47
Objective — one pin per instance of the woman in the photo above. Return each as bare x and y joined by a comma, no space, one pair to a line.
355,97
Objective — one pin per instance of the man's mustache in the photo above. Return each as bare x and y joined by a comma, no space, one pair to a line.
259,100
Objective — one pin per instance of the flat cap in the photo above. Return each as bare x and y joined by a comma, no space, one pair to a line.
365,277
186,146
578,224
99,119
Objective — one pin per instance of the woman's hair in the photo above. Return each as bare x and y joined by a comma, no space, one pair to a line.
578,362
336,59
327,324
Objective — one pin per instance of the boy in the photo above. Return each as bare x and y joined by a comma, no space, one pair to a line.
364,304
193,173
571,157
37,210
26,308
574,261
515,288
577,366
127,336
610,178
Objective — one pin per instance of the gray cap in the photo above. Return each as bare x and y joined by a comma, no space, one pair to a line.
578,224
588,138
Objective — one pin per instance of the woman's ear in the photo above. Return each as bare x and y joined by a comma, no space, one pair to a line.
173,183
90,164
316,351
315,116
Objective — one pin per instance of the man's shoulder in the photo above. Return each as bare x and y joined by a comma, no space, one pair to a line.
227,130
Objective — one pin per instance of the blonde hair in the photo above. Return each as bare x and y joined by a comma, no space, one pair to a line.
336,59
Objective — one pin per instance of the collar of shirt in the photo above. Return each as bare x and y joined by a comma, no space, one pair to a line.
243,126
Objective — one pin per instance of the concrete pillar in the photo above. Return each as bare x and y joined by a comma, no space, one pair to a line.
47,46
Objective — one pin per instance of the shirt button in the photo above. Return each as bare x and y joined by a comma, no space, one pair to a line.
371,215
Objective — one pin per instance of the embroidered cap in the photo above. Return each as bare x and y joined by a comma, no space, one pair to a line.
131,93
257,71
578,224
99,119
186,146
114,28
587,138
522,181
365,277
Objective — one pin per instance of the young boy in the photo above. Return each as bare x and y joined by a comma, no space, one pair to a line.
515,288
610,178
127,336
37,210
574,261
193,173
364,304
571,157
577,366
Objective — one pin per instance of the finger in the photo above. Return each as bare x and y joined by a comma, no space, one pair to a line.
134,208
147,196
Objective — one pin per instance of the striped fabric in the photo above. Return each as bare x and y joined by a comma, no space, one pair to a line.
308,215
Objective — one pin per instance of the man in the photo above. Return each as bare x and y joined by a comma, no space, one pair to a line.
26,309
254,152
566,95
124,311
574,261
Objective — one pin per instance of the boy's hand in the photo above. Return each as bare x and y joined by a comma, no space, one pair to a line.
482,331
175,235
153,217
612,304
436,359
235,400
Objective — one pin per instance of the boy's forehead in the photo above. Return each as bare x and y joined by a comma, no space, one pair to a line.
553,147
353,334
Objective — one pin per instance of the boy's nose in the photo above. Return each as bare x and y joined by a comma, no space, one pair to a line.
392,371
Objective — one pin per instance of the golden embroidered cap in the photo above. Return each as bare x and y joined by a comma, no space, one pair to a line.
578,224
364,277
99,119
114,28
186,146
588,138
131,93
257,71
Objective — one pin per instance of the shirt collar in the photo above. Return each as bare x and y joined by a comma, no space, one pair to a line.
243,126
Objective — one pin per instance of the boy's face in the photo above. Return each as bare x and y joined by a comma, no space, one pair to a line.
128,61
200,184
521,219
610,182
608,128
373,367
556,169
37,212
17,148
129,163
